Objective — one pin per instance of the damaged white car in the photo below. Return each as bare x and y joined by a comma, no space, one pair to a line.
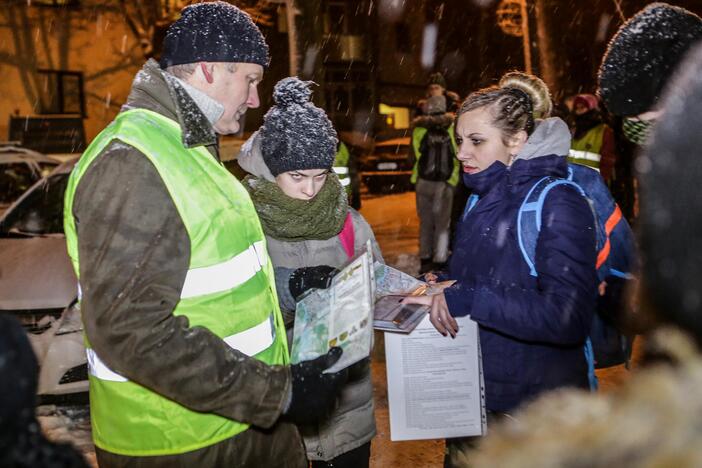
39,287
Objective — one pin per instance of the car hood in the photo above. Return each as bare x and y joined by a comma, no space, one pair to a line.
36,273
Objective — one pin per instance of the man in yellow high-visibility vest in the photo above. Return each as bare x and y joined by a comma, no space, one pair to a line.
593,140
187,354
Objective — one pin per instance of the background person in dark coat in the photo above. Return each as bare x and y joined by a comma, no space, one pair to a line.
532,329
22,443
636,66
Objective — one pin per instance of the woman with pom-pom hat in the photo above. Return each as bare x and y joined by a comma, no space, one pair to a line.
311,232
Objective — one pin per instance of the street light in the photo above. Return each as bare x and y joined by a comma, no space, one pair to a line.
513,19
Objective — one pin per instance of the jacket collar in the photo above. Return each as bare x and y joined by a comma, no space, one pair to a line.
152,90
482,182
525,170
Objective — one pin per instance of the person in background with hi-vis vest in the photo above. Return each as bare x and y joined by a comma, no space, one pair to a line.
435,175
593,140
187,355
341,166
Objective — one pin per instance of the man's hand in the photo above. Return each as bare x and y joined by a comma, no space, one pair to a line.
439,315
313,392
315,277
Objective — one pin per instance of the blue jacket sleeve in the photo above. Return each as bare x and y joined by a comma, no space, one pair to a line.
560,309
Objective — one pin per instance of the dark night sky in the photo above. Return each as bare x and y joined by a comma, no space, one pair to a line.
475,52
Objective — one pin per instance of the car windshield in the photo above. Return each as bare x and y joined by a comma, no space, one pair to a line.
46,168
41,212
15,179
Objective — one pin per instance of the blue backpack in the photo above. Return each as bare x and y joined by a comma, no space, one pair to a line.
606,346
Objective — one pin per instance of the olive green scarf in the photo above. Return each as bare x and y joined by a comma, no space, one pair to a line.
289,219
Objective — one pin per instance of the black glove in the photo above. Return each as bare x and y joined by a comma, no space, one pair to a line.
314,393
316,277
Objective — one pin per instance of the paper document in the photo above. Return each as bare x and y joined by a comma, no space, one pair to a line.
435,385
340,315
391,282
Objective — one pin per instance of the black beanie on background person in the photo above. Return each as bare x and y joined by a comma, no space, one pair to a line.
213,32
670,170
437,78
296,134
642,55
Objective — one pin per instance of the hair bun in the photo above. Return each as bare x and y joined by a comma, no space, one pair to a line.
292,90
534,88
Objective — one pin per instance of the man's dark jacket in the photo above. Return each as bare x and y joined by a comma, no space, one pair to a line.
134,254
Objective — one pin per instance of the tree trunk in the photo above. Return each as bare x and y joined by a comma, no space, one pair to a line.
310,37
548,65
290,13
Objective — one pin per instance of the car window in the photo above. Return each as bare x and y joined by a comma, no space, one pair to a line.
15,179
41,212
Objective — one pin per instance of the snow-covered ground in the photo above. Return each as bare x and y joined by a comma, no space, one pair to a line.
68,424
394,221
396,228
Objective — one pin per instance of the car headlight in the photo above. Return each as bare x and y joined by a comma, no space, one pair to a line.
70,320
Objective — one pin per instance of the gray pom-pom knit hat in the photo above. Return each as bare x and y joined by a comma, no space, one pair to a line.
296,134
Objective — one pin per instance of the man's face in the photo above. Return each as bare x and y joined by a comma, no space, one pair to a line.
435,90
579,108
234,85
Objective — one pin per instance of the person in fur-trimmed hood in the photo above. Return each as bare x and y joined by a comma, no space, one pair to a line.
311,233
654,419
435,175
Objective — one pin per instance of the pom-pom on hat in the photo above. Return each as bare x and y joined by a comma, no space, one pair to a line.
296,134
213,32
643,54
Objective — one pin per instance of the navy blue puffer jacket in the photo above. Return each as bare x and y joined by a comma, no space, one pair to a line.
532,329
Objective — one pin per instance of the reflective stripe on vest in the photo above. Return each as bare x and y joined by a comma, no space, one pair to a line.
226,275
343,173
249,342
585,155
229,289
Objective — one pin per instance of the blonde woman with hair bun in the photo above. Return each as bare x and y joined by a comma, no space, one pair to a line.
533,323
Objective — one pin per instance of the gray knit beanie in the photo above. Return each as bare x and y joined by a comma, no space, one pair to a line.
296,134
213,32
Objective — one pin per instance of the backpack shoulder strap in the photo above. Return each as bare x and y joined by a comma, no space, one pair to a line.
348,236
529,217
528,228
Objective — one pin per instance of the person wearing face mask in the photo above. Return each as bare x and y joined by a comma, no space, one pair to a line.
532,327
638,62
593,140
311,233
